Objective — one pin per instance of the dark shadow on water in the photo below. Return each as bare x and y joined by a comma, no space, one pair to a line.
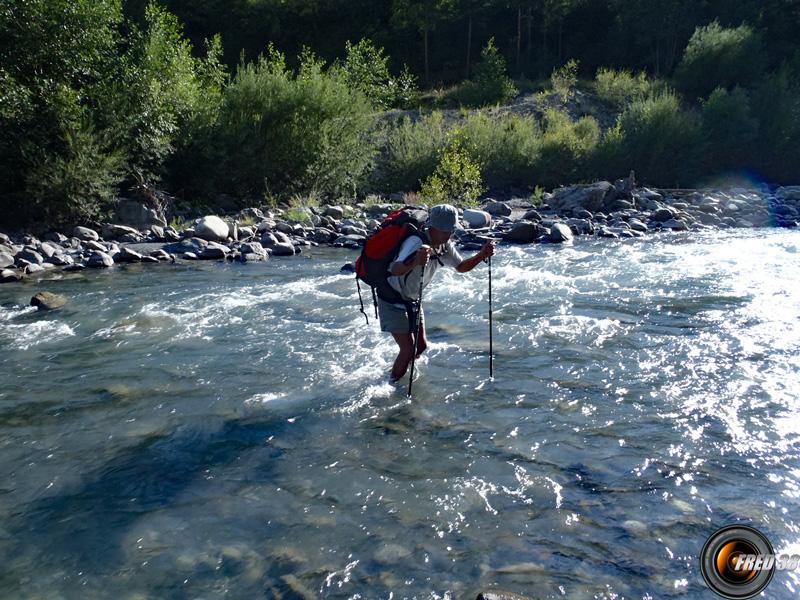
85,526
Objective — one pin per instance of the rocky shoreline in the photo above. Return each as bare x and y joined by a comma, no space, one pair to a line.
618,210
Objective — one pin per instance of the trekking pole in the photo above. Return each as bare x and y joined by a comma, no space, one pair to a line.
417,320
491,352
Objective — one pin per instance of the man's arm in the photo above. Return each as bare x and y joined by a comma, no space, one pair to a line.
470,263
419,258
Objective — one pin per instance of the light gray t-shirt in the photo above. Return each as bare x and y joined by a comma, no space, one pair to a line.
408,285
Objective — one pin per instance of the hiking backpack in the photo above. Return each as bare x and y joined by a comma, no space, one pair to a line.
380,250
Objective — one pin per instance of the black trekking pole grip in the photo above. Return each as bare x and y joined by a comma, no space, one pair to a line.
415,333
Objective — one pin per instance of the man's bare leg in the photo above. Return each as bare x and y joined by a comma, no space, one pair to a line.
406,344
422,342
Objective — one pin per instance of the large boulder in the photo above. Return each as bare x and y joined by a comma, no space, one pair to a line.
30,255
214,251
477,219
6,260
559,233
525,232
592,197
497,209
282,249
99,260
85,234
336,212
212,229
663,214
137,214
127,255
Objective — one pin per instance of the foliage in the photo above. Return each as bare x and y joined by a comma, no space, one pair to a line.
720,57
655,138
285,132
457,178
776,104
564,78
490,84
410,153
620,88
366,68
729,130
566,149
506,146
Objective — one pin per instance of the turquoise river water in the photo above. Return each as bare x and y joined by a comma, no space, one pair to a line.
214,430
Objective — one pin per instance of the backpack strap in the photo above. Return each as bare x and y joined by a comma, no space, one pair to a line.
361,301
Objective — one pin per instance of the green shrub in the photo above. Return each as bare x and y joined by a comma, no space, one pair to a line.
564,78
776,105
411,152
366,68
620,88
566,149
506,147
655,138
729,131
490,84
457,178
720,57
287,132
77,184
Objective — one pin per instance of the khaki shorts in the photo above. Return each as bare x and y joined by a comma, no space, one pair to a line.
394,318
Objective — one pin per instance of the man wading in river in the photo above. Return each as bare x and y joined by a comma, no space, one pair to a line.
430,251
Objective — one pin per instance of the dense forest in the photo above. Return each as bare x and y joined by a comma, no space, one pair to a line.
303,100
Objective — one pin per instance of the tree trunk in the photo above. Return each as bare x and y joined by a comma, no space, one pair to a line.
469,41
519,38
530,40
425,53
560,37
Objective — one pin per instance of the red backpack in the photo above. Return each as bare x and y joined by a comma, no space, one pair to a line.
380,250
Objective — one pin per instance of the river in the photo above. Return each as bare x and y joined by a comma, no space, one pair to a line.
210,430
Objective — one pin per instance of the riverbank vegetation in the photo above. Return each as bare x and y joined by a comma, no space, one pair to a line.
338,100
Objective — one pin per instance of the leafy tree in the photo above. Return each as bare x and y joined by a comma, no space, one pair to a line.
729,130
720,57
284,132
457,177
366,68
491,84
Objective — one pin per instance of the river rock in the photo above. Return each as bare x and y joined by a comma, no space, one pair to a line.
214,251
112,231
336,212
663,214
10,276
581,226
347,268
127,255
93,245
559,233
161,255
477,219
322,235
252,248
75,267
6,260
497,209
48,301
282,249
85,234
30,255
637,225
533,215
391,553
60,260
212,229
4,239
592,197
788,193
675,225
99,259
47,249
525,232
34,268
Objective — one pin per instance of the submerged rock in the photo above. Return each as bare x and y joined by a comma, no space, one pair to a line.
48,301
